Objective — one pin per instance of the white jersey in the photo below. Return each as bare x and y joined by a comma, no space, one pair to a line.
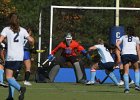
104,54
129,44
15,43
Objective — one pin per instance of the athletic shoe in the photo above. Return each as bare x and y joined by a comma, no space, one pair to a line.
83,81
9,99
4,85
126,91
90,83
118,84
132,82
22,92
137,88
121,82
27,83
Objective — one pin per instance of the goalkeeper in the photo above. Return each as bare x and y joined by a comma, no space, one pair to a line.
68,54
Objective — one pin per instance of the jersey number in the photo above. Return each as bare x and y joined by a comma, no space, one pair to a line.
16,37
129,38
25,41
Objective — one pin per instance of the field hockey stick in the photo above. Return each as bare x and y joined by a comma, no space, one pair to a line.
104,79
41,65
97,80
47,60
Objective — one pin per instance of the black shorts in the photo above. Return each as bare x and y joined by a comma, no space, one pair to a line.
129,58
13,65
108,66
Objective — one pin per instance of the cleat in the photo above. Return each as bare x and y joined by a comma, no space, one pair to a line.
90,83
82,81
9,98
4,85
118,84
22,92
137,88
126,91
27,83
121,82
132,82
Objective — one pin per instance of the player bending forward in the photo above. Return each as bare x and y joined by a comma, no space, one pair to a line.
106,63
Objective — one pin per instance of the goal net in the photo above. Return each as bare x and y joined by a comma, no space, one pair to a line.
86,24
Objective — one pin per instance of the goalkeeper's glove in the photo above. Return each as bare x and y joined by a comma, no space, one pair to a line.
50,57
85,53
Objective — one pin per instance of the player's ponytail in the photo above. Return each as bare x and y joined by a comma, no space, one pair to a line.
100,41
130,31
14,22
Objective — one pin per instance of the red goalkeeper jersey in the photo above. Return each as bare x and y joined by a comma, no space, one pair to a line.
68,50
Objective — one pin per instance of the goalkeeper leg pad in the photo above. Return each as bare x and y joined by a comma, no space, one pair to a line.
53,72
79,72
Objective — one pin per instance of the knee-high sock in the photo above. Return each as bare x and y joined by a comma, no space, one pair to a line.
1,75
121,74
126,81
93,74
11,91
27,75
137,77
14,83
113,78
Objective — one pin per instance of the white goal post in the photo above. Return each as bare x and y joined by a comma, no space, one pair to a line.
117,9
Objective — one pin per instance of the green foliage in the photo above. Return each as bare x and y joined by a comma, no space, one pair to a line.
29,10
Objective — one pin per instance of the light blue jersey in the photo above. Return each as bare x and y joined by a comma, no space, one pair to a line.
104,53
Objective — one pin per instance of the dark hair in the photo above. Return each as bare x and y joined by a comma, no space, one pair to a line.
112,47
130,31
100,41
14,22
107,46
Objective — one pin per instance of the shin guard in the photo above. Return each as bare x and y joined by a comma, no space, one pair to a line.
53,72
79,72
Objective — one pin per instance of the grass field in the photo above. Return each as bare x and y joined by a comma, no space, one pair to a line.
73,91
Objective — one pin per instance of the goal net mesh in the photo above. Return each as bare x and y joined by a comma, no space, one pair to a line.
86,26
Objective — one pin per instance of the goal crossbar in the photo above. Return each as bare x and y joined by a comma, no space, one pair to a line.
98,8
117,8
82,7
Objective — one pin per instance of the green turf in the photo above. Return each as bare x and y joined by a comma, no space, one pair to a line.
72,91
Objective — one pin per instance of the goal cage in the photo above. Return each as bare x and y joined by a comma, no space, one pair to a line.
86,24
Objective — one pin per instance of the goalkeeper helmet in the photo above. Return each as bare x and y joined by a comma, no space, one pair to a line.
68,39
